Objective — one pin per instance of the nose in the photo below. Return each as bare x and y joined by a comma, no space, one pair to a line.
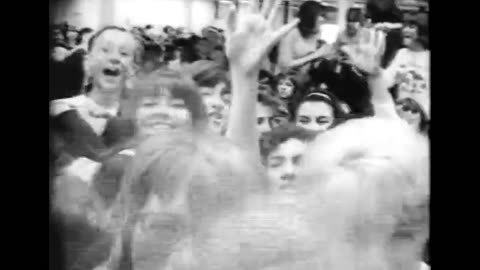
217,105
288,177
114,59
288,173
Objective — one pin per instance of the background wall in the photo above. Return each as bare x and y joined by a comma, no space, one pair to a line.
194,14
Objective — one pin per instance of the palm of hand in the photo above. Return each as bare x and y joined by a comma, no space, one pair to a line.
247,48
367,54
249,40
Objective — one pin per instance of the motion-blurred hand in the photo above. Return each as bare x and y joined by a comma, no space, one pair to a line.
367,53
251,37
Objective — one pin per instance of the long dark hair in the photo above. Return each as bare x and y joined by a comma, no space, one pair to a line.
308,13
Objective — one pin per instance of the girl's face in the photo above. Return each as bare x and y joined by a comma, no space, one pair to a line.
315,115
285,88
161,112
410,35
111,59
216,99
283,163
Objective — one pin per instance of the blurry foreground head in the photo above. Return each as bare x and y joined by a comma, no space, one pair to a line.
362,203
178,185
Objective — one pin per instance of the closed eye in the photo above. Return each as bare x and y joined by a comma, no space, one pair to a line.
304,119
275,162
149,104
323,120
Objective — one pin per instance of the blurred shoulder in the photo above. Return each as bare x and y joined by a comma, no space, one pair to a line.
59,106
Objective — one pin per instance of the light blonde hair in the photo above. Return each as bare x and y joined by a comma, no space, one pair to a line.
353,193
195,177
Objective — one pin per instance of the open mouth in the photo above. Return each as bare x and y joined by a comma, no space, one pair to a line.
215,116
113,72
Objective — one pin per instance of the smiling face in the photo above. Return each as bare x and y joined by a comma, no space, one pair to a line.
161,112
315,116
216,100
111,58
410,35
283,163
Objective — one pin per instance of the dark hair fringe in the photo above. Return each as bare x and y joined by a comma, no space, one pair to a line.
270,141
308,13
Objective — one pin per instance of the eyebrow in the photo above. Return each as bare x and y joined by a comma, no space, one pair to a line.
276,158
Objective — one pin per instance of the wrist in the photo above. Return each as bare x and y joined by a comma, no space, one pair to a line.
243,82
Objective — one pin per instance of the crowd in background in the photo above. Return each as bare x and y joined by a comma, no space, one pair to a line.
303,88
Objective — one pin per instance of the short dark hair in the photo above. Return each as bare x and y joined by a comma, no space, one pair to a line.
207,73
277,105
308,13
166,28
422,32
151,51
355,15
271,140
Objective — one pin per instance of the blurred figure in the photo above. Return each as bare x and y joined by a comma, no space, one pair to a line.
355,20
174,181
386,11
301,45
410,69
152,58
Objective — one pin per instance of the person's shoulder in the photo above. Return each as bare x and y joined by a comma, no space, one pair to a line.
402,51
59,106
294,34
424,266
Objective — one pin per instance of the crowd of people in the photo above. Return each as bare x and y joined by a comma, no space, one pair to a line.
242,148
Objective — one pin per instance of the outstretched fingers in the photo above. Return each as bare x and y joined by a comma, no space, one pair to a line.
265,8
380,43
273,12
254,6
232,18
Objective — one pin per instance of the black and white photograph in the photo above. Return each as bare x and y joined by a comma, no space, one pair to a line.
239,135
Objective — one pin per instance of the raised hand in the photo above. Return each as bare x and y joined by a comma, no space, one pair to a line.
367,53
251,37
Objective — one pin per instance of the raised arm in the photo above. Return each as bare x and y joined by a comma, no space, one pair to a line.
248,41
367,55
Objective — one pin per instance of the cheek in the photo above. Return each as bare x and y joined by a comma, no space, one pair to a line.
180,115
274,175
143,113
